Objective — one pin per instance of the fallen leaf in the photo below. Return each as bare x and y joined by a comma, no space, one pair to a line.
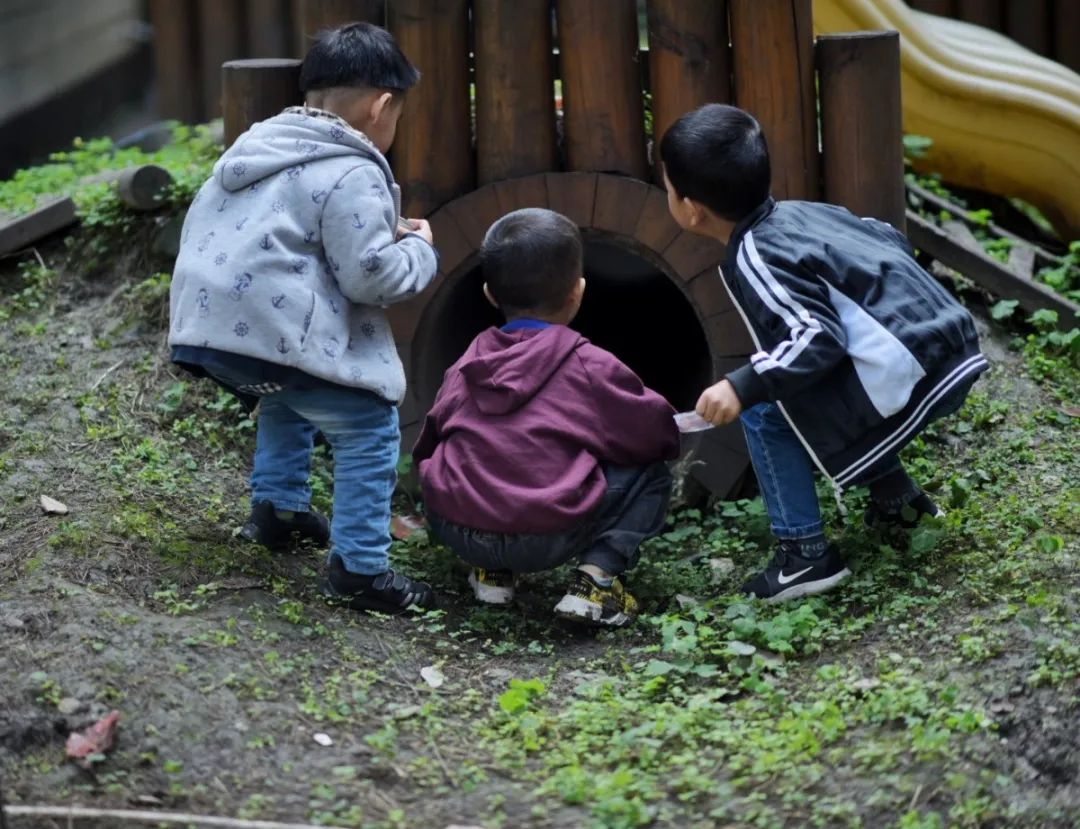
432,676
322,739
403,526
98,739
1071,411
52,506
68,705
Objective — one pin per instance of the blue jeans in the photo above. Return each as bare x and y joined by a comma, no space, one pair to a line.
632,510
785,471
362,430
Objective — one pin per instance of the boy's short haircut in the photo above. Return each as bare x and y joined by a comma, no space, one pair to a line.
359,55
531,260
717,155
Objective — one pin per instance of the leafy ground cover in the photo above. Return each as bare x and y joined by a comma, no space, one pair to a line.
938,688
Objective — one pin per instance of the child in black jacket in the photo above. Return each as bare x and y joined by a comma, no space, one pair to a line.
858,347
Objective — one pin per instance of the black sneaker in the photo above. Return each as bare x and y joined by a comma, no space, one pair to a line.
907,519
790,576
387,592
264,527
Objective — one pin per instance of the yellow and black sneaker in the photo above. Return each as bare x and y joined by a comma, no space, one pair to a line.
587,601
492,586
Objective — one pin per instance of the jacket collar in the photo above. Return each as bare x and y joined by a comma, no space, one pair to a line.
755,216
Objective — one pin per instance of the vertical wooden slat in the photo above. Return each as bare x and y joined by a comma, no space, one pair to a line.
254,90
316,15
1067,33
176,62
601,82
773,60
988,13
269,28
689,64
433,157
515,107
1028,23
861,123
221,38
946,8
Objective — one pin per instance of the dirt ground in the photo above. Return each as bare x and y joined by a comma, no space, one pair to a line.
939,688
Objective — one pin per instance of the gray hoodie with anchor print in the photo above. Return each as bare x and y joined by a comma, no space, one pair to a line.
288,255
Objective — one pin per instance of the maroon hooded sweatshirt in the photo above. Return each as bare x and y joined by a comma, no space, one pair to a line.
521,425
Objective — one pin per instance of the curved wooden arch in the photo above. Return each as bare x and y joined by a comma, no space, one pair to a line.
623,210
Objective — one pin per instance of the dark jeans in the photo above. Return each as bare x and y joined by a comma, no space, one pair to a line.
633,509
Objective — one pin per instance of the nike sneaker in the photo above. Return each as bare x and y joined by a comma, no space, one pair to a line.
790,576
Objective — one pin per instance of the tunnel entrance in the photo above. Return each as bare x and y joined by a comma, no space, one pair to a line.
631,307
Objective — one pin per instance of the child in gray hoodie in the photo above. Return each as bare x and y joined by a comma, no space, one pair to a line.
289,253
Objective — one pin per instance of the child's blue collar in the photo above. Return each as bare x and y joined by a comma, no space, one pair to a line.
524,322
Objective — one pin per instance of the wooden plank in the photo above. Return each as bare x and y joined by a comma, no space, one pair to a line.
988,13
773,60
709,294
516,193
176,65
433,156
270,29
861,124
727,334
37,224
655,228
690,254
1067,34
604,122
313,16
573,195
619,202
475,213
1028,23
689,61
988,273
515,93
257,89
221,36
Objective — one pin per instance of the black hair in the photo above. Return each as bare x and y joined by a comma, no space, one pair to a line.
531,260
717,155
357,54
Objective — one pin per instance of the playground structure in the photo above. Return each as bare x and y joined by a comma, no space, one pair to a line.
541,103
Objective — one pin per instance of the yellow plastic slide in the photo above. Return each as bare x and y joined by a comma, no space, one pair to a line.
1002,118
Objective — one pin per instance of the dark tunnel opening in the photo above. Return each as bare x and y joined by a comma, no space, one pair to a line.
631,308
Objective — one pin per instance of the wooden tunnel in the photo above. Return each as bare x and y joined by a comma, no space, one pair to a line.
534,103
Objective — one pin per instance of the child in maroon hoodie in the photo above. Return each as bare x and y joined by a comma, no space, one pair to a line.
542,447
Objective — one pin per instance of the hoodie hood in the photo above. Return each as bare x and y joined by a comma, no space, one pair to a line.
505,369
289,141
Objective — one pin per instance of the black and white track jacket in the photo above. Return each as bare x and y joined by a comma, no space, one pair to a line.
855,341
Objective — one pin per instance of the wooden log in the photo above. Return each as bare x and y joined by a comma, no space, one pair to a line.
221,38
861,123
515,107
988,272
1067,34
269,29
773,60
257,89
689,63
988,13
433,155
37,224
604,121
1028,23
140,187
176,65
317,15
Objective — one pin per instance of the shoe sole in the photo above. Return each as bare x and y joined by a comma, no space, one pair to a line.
577,609
364,603
809,588
489,594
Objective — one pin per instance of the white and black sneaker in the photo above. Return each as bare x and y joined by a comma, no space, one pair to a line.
388,592
790,576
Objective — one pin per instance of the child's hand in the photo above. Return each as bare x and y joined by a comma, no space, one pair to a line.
719,404
418,226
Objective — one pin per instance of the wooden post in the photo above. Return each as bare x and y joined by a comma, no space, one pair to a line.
257,89
773,57
689,63
433,156
269,29
1067,34
515,93
945,8
601,84
988,13
1028,23
176,64
861,129
221,36
316,15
